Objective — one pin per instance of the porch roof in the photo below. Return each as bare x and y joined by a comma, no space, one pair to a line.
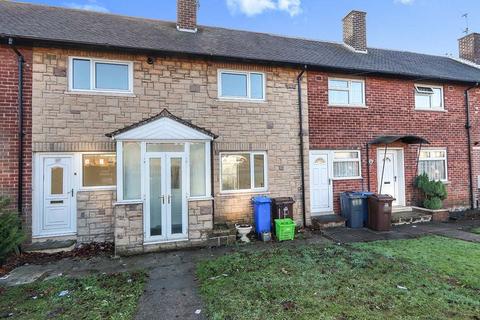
408,139
156,128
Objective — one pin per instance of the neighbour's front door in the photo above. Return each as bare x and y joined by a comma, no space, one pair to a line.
56,214
165,201
390,184
320,184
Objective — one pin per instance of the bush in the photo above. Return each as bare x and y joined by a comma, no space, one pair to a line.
434,191
11,234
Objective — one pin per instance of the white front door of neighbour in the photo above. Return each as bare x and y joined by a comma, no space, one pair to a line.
165,201
57,209
321,189
391,174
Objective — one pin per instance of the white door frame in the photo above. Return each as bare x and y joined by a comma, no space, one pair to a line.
37,195
329,155
166,190
400,172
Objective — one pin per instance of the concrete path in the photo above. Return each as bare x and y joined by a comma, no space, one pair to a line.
451,230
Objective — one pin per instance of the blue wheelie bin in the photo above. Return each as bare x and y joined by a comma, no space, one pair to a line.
261,213
351,204
365,195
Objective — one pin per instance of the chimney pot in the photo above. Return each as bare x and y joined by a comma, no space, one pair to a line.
469,47
355,30
187,15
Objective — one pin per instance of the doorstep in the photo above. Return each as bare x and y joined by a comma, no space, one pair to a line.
328,221
50,246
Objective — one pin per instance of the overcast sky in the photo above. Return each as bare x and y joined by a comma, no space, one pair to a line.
427,26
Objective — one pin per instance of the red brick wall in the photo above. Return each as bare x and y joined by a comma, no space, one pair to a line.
390,111
9,145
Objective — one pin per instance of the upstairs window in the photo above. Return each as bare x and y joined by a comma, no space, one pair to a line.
345,92
428,97
100,75
241,85
433,163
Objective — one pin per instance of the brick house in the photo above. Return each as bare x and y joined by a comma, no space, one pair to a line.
149,133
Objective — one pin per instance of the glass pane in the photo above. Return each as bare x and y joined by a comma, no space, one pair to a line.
99,170
258,171
56,183
356,96
131,171
81,74
422,101
176,190
337,84
197,170
346,169
435,169
165,147
256,86
437,98
155,197
234,85
336,97
346,155
236,172
111,76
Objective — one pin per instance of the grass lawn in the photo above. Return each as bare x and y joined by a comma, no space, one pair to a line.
94,297
427,278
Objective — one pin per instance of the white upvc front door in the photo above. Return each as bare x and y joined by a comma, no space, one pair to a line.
166,210
321,189
56,199
392,183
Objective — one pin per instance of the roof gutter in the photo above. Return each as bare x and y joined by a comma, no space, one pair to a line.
20,60
302,156
468,127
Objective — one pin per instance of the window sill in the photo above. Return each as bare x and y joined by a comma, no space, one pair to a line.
431,110
82,189
245,100
347,178
200,199
122,203
241,193
101,93
347,106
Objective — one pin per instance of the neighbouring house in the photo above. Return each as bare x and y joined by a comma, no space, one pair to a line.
150,133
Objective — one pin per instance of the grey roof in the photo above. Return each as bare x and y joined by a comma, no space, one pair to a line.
43,23
163,114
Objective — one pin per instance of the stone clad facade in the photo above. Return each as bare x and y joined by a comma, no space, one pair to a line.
65,121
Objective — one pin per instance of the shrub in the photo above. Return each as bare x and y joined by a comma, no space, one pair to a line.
434,191
11,234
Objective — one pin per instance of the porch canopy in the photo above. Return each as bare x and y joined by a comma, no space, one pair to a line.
386,140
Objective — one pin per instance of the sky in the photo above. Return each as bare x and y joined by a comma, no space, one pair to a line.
425,26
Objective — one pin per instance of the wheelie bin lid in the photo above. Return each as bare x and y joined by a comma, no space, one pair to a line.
261,199
382,197
353,195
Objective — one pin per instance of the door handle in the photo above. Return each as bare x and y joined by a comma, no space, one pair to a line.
72,192
168,199
163,199
395,178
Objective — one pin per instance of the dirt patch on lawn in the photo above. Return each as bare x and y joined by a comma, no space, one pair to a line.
83,251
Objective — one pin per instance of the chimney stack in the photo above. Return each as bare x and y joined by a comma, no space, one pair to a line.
355,30
469,47
187,15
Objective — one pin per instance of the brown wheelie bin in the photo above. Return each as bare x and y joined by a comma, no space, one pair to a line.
380,212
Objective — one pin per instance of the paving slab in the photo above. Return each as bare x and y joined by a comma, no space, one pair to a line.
459,234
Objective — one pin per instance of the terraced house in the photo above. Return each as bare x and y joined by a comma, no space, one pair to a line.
150,133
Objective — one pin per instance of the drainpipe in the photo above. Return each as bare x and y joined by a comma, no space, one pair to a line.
302,164
469,143
367,146
212,181
21,60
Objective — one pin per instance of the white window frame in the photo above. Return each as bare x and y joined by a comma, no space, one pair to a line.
93,61
252,172
359,160
417,92
248,74
80,171
349,90
445,159
143,152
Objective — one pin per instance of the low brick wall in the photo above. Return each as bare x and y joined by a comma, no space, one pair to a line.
95,216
